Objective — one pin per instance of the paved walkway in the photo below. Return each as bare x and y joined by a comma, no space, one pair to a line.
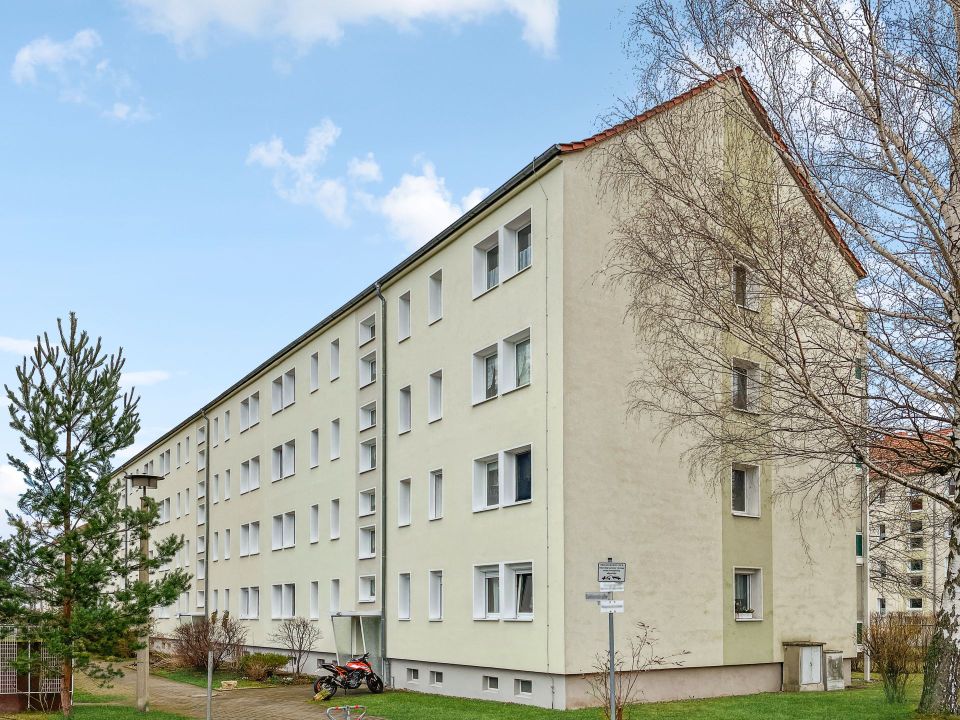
279,703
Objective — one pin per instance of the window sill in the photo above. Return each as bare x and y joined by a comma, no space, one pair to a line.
750,619
406,619
518,619
334,379
366,470
488,290
745,411
737,513
367,600
335,538
438,517
366,342
517,502
434,321
518,272
334,458
484,400
403,524
366,514
486,508
486,619
366,427
403,339
366,557
404,432
439,619
368,383
431,421
748,308
514,389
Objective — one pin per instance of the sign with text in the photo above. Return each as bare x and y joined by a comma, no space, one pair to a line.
611,606
612,572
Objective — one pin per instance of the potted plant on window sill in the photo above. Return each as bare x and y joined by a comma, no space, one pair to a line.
741,612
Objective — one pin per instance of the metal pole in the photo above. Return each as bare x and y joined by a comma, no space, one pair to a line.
143,654
613,680
209,683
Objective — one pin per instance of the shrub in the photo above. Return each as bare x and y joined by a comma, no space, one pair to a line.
260,666
297,635
897,644
223,635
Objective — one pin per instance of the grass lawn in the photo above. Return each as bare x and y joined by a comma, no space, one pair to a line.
199,677
98,712
866,703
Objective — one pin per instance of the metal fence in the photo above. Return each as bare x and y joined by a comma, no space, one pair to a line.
30,676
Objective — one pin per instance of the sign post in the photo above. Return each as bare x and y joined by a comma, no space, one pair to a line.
611,576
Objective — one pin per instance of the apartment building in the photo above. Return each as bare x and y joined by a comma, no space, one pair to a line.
909,534
432,472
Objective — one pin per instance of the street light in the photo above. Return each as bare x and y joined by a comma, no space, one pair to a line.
144,482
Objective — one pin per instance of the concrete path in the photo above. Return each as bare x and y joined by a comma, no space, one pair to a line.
279,703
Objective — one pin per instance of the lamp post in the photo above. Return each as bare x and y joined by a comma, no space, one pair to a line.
144,482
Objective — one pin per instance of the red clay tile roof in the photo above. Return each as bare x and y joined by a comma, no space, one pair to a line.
799,174
910,453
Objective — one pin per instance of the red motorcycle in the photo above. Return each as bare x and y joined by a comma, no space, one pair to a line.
348,677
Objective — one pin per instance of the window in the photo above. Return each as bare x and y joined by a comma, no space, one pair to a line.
314,523
216,431
178,456
335,439
436,595
403,596
745,490
403,503
201,566
435,506
743,288
201,598
186,449
178,506
518,475
186,501
522,687
314,600
413,675
226,545
368,416
215,546
314,371
403,317
747,594
491,683
436,677
368,589
916,526
284,460
524,250
368,368
882,606
368,455
201,513
882,531
916,604
201,460
485,385
518,591
744,385
367,542
249,539
335,519
916,581
314,447
368,330
916,542
283,604
201,435
435,297
335,595
284,390
334,359
916,565
201,544
435,396
284,531
486,476
404,411
367,502
516,359
249,475
486,265
249,411
916,504
486,592
226,435
201,489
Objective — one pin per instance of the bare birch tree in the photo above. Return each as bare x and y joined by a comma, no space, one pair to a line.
795,271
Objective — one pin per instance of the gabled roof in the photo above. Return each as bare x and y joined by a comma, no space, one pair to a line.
796,170
911,453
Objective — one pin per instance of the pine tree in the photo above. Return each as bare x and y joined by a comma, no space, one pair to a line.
66,578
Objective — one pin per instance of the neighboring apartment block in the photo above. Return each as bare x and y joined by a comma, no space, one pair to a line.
432,472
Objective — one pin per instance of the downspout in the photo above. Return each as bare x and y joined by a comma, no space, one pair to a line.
546,422
383,486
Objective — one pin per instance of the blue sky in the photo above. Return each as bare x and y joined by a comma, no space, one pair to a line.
158,157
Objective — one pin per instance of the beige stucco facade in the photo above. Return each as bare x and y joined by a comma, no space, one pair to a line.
603,483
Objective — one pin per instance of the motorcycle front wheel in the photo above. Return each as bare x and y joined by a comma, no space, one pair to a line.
374,683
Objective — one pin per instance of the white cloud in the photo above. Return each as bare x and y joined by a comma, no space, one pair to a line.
142,378
308,21
16,345
11,487
52,56
364,169
295,176
420,206
79,77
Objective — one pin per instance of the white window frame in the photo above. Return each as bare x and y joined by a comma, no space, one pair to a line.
249,603
367,542
367,589
435,595
751,298
751,490
367,330
226,484
404,410
334,597
284,390
507,378
335,519
314,372
284,461
481,575
283,601
368,416
435,297
403,595
367,502
226,429
482,283
314,523
368,455
314,600
226,544
509,253
434,503
508,475
315,447
751,371
480,373
404,502
755,593
403,317
509,587
368,368
335,439
250,475
481,482
334,359
249,411
435,396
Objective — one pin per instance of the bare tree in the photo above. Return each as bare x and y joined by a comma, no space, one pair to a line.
629,668
792,248
224,635
297,636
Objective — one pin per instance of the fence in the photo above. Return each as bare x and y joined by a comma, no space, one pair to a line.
30,677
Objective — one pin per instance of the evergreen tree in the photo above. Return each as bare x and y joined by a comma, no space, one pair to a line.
66,578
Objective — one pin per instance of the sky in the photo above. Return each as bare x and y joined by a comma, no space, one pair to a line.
160,160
